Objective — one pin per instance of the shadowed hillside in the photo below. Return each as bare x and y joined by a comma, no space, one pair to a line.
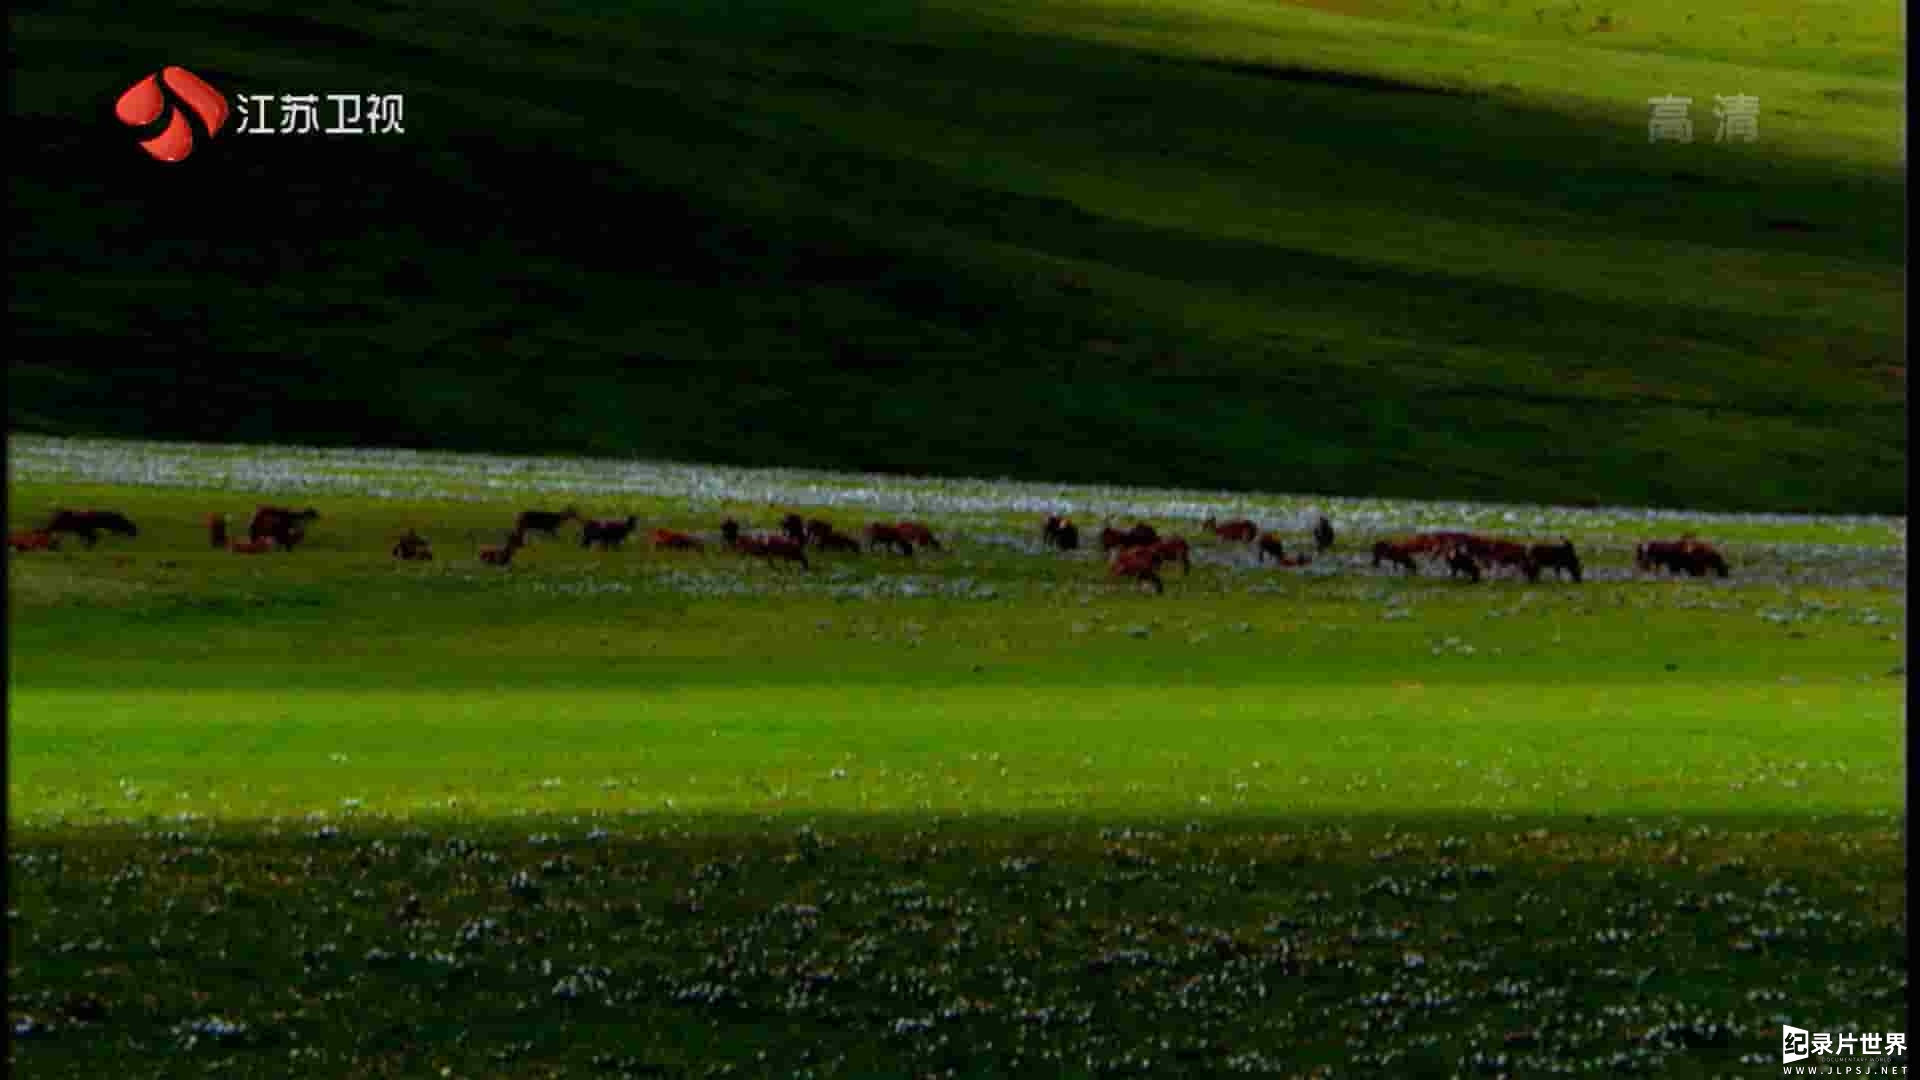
1201,245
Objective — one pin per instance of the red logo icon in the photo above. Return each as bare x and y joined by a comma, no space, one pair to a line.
146,101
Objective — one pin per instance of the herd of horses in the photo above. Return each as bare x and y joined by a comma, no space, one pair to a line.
1137,554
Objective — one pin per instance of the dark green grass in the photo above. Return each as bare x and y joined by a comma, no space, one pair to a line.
610,946
1065,241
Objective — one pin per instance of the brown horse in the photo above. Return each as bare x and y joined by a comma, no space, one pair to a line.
1685,555
1498,553
1400,554
1238,531
917,533
879,535
33,540
1140,564
503,555
1138,536
1173,549
773,547
836,541
668,540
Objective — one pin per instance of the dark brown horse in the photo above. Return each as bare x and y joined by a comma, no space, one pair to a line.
918,533
1686,555
413,548
773,547
1061,533
1138,536
1269,544
89,524
883,535
607,534
544,521
284,527
1400,554
1561,558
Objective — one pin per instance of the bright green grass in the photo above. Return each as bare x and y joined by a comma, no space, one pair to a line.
250,687
1007,239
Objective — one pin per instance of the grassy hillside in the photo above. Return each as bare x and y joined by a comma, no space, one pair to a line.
1392,248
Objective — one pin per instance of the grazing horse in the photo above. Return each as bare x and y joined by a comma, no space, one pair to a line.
1323,534
773,547
1173,549
1461,563
543,521
1140,564
1238,531
503,555
283,526
1061,533
33,540
1400,555
668,540
1138,536
818,529
413,548
89,524
608,534
917,533
217,530
1686,555
888,535
1439,545
1560,558
836,541
1269,544
1496,553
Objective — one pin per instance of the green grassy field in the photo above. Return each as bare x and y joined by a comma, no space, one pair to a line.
1394,247
639,813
